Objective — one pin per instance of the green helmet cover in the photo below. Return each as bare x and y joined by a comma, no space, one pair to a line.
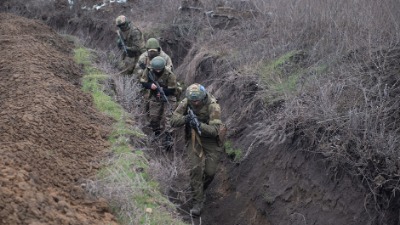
158,63
196,92
152,43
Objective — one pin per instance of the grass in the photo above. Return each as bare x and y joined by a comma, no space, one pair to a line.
132,194
277,80
233,153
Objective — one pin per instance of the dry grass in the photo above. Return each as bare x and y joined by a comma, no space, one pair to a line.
348,111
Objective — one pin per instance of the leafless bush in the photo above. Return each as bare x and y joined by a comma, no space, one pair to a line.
348,114
127,91
167,167
325,30
351,118
155,11
170,169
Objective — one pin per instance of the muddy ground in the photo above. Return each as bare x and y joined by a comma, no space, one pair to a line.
52,138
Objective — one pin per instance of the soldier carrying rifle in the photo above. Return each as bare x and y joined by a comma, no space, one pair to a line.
131,42
161,82
205,133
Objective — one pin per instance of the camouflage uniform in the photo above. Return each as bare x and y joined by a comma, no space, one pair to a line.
144,62
134,42
153,49
158,110
203,150
141,65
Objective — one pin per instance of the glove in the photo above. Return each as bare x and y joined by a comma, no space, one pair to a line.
193,124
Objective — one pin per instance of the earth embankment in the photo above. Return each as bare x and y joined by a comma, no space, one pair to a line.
51,136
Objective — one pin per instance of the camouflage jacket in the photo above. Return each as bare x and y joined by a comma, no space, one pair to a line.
209,115
144,62
167,80
134,41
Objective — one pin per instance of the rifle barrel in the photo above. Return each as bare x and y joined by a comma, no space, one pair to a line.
122,42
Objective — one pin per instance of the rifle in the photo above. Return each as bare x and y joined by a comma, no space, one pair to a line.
159,89
194,122
122,42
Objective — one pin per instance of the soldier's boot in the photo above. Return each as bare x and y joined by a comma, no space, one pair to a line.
168,142
196,209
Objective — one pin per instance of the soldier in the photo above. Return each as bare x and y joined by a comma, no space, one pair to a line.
131,41
153,49
162,85
205,133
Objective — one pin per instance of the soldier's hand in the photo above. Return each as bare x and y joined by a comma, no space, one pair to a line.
153,86
193,124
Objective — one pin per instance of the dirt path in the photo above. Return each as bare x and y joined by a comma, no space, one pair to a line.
51,137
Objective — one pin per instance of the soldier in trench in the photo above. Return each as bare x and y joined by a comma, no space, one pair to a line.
161,83
205,134
153,49
131,42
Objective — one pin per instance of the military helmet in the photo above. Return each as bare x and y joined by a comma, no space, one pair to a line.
121,20
158,63
196,92
152,43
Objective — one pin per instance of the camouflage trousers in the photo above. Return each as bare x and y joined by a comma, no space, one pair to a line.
160,114
204,161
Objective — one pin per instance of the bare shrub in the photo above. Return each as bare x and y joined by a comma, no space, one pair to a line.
325,30
168,166
154,12
348,114
351,118
171,169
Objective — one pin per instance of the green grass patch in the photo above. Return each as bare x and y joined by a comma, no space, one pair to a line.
281,75
133,196
234,153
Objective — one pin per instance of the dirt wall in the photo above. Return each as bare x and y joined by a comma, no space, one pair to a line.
51,137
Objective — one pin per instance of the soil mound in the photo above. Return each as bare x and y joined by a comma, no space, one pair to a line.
51,137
